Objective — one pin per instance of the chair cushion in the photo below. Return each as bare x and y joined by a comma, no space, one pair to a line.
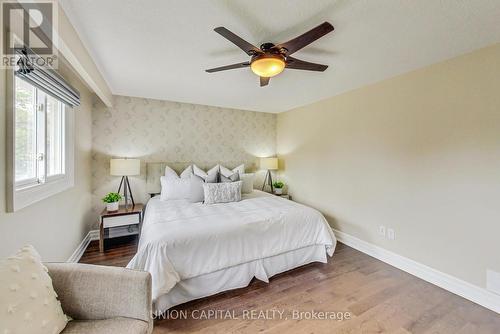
107,326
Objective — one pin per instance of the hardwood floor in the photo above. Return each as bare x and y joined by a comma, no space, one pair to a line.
118,252
379,299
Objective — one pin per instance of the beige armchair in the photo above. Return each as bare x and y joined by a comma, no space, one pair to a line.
103,300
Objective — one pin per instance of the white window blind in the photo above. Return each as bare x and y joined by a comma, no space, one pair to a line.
45,79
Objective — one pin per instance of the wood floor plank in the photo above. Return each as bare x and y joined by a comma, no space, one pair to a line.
378,297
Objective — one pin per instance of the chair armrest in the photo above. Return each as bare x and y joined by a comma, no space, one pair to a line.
89,292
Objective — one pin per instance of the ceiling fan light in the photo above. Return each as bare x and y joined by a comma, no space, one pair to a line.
267,66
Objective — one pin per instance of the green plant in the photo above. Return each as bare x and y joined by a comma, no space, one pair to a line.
112,197
278,184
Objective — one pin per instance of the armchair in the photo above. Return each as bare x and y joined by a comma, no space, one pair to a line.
103,299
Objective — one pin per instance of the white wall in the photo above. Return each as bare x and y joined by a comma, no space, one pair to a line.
419,153
56,225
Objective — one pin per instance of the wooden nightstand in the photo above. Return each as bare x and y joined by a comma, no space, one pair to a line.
131,218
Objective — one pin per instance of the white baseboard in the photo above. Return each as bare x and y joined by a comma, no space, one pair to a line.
457,286
77,254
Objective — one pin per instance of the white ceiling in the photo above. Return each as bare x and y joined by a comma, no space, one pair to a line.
160,49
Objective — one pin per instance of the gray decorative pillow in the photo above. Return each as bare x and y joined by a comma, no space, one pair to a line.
204,175
228,172
222,192
232,178
212,178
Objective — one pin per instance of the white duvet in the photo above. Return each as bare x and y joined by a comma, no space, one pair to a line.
181,240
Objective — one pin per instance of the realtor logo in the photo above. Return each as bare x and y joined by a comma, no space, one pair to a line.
28,24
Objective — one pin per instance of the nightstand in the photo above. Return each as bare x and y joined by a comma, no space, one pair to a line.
119,223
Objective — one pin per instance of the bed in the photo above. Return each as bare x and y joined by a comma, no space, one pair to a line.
193,250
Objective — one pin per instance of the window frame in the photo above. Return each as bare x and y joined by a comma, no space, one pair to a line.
26,192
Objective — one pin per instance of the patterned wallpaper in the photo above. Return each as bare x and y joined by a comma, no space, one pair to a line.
157,131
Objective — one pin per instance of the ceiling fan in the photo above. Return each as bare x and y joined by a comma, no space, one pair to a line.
270,60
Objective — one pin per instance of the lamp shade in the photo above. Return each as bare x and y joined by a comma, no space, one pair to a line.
269,163
124,167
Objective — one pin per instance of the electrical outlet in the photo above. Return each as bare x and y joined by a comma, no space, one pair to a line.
391,235
381,230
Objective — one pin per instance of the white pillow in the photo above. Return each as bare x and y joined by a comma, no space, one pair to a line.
196,193
212,172
175,188
186,173
222,192
28,302
247,180
228,172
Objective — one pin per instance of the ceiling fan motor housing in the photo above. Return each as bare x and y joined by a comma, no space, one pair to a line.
266,46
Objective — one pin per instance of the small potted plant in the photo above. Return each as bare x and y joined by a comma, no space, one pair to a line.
278,187
112,200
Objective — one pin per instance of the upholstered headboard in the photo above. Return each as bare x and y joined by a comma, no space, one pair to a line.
156,169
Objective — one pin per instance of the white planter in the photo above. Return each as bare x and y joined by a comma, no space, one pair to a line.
112,206
278,191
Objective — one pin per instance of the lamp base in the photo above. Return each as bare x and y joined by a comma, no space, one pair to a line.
268,181
126,191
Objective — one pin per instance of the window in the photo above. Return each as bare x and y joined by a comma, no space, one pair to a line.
26,131
43,146
39,133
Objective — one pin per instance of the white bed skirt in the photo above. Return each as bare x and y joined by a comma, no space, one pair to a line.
237,276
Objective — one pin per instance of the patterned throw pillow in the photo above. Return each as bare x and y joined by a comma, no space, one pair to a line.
28,302
222,192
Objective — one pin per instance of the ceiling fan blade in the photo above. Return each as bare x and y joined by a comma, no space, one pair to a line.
298,64
238,41
228,67
307,38
264,81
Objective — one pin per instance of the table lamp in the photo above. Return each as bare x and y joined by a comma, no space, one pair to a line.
269,164
125,168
